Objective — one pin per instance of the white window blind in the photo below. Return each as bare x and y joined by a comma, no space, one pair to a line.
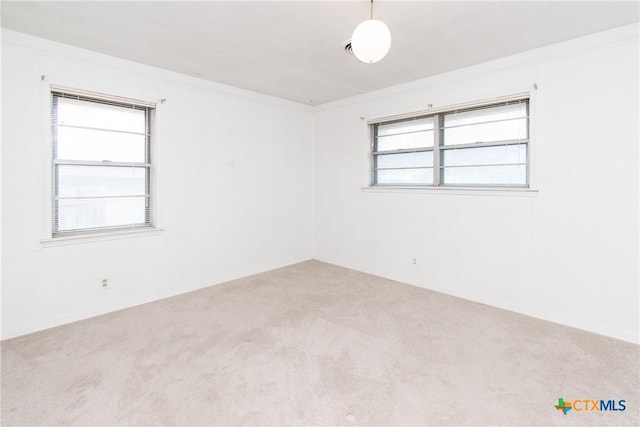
404,151
101,164
481,146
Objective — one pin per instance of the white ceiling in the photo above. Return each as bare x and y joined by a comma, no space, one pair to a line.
294,50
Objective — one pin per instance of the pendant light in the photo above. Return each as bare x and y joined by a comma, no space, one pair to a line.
371,40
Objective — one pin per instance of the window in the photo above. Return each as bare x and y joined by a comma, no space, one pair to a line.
480,146
101,164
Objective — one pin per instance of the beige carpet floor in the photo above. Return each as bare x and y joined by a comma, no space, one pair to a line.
314,344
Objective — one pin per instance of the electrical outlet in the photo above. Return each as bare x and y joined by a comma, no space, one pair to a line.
414,262
105,283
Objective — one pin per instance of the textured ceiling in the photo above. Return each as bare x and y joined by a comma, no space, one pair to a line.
294,50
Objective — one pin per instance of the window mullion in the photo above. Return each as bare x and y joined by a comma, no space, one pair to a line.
436,149
403,151
500,143
101,163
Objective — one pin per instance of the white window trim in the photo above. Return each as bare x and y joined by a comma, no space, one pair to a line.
531,191
117,234
469,191
47,239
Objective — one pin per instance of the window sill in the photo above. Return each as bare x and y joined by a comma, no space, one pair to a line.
468,191
100,237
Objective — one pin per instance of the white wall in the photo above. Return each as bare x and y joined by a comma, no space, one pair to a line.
234,188
568,253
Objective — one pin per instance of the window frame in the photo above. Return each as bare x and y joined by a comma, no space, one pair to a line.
439,148
149,108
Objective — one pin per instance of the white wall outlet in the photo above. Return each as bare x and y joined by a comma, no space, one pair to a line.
105,283
414,262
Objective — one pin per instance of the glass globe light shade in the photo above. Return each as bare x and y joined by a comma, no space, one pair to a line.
371,41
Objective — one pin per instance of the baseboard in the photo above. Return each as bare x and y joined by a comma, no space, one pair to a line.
577,323
44,324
